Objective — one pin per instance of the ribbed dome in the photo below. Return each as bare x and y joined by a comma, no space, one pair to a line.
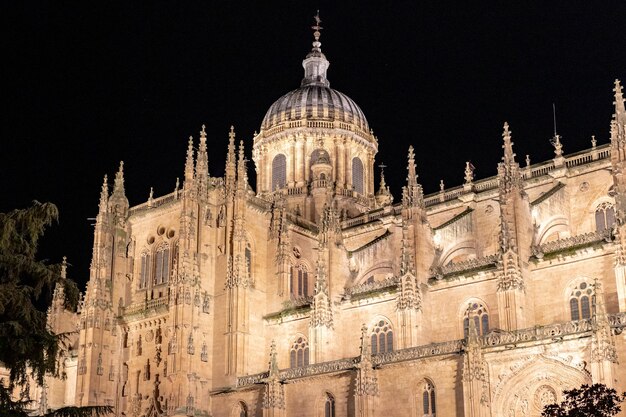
314,103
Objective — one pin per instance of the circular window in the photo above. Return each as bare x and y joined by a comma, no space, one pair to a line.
171,233
160,230
150,240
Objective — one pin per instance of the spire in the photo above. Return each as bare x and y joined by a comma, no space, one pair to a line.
383,196
202,164
509,156
413,195
104,195
231,160
242,174
315,64
189,163
64,268
620,111
118,186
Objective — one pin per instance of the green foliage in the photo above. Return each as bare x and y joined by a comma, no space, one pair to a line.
27,347
596,400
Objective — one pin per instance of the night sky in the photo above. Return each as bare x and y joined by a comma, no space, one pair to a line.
90,84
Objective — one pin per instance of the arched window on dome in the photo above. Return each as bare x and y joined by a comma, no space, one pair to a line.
299,281
580,300
357,175
428,399
605,217
478,312
279,172
161,265
382,337
299,353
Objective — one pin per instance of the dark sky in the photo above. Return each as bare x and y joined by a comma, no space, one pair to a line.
93,83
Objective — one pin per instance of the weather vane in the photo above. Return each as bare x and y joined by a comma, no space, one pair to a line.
382,167
317,26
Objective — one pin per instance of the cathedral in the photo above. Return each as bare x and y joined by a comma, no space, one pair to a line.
314,293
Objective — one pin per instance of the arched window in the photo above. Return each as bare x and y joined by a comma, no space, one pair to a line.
144,274
240,410
279,172
299,281
162,265
428,399
477,312
357,175
580,301
299,353
329,405
248,255
382,337
605,216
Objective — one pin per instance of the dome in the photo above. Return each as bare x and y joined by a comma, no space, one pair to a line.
315,102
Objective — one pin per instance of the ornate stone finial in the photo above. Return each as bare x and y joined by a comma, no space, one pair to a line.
558,146
189,168
273,365
509,155
64,267
527,160
412,176
469,173
442,186
620,110
365,343
383,196
118,185
104,195
177,184
594,142
151,196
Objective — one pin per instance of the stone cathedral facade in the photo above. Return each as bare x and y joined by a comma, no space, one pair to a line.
314,294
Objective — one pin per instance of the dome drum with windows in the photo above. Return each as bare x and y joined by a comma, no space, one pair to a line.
315,137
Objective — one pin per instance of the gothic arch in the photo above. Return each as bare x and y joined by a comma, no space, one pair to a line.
425,406
555,224
483,310
240,409
464,248
578,295
381,335
322,404
377,269
526,390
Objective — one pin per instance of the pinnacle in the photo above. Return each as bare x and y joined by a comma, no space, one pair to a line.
509,155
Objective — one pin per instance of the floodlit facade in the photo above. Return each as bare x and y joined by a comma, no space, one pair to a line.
313,294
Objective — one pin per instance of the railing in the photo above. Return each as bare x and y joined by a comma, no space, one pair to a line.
572,242
156,202
145,306
532,171
493,339
469,265
366,287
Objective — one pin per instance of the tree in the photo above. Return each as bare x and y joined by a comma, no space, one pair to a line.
596,400
28,348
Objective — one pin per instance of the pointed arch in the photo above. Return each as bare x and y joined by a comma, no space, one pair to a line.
381,336
459,252
554,226
477,310
426,398
299,352
162,264
580,296
240,409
